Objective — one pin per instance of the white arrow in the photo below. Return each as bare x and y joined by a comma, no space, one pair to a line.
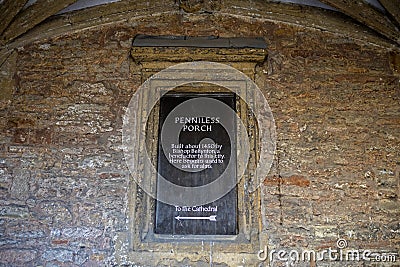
210,218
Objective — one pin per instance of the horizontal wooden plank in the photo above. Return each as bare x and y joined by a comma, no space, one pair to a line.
207,41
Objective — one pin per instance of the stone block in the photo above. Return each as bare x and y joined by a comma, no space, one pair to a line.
17,257
60,255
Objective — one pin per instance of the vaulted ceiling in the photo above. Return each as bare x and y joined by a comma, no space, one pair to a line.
22,18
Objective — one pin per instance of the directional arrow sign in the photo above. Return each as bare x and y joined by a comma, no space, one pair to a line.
210,218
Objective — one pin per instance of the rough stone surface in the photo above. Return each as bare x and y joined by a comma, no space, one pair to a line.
63,178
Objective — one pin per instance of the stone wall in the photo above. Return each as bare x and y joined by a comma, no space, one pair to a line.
63,178
336,106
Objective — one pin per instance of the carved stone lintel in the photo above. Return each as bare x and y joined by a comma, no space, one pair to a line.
155,53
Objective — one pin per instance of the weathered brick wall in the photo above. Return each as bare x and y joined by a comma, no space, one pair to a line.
63,176
336,106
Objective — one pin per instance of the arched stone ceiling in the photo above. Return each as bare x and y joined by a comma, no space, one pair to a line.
375,21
